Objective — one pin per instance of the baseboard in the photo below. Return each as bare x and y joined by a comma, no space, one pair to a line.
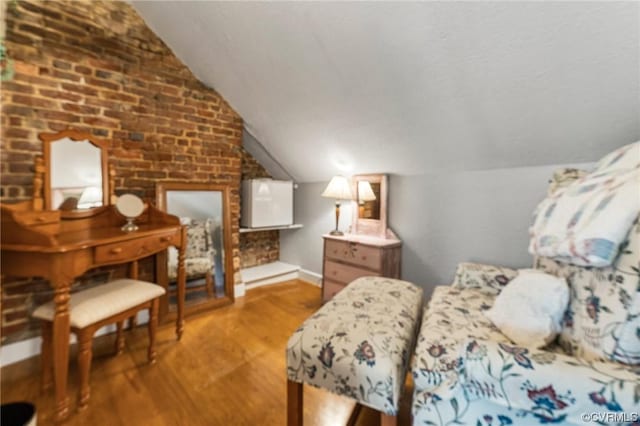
310,277
272,280
239,290
18,351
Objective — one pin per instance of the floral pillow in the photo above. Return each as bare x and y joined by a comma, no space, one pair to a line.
585,222
602,321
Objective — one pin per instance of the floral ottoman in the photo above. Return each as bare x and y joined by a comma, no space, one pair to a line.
357,345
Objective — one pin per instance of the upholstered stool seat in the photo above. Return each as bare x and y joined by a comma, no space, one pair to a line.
94,308
357,345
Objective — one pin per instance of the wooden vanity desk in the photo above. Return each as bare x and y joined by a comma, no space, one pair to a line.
42,238
42,244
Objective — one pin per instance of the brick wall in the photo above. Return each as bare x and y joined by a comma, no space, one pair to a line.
257,248
96,66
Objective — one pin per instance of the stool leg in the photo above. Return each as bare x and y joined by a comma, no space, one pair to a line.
119,337
84,365
46,355
294,403
133,322
153,325
387,420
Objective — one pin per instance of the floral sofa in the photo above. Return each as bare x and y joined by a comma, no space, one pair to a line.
466,372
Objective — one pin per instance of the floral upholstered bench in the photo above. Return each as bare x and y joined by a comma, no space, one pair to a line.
357,345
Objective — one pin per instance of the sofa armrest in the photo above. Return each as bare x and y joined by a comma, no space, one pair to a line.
550,386
488,278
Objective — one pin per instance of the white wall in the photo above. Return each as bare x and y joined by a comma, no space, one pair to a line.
303,246
443,219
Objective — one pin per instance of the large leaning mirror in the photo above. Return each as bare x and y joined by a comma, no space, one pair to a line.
204,210
76,174
370,204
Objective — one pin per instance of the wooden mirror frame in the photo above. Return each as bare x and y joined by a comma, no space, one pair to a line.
161,262
371,227
42,178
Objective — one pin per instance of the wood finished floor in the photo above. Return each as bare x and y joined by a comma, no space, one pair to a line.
228,369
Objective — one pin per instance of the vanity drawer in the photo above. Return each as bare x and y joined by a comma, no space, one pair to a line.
40,217
330,289
135,249
345,273
354,253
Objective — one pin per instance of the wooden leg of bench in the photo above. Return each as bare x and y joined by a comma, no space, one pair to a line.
387,420
153,325
46,355
119,337
84,365
294,403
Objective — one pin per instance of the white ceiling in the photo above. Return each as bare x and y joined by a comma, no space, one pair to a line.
410,88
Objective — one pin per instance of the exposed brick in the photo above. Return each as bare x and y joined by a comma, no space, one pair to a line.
17,133
81,69
17,87
39,31
57,94
79,88
32,101
102,83
81,109
95,66
60,116
57,63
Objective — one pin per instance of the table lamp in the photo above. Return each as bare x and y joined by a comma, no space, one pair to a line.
339,189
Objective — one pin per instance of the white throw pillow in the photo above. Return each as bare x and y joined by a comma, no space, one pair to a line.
530,308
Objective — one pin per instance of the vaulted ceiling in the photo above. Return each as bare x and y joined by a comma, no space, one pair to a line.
409,88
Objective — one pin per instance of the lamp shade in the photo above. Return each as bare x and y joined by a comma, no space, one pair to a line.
338,188
365,192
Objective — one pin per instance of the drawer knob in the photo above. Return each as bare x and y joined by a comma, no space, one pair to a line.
41,219
116,250
364,257
335,272
165,239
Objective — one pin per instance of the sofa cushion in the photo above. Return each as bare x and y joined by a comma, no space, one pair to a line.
453,316
530,308
488,279
603,317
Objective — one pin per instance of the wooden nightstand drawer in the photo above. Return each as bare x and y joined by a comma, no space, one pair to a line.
349,257
130,250
354,253
343,273
330,289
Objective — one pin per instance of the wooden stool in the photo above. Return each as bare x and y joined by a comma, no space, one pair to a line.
92,309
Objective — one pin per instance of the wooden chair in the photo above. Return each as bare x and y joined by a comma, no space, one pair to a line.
92,309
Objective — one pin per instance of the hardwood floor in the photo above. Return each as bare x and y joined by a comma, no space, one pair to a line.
228,369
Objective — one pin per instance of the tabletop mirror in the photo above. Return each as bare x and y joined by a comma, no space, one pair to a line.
75,175
370,205
205,211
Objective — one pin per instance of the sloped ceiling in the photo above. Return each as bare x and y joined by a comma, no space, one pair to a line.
409,88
